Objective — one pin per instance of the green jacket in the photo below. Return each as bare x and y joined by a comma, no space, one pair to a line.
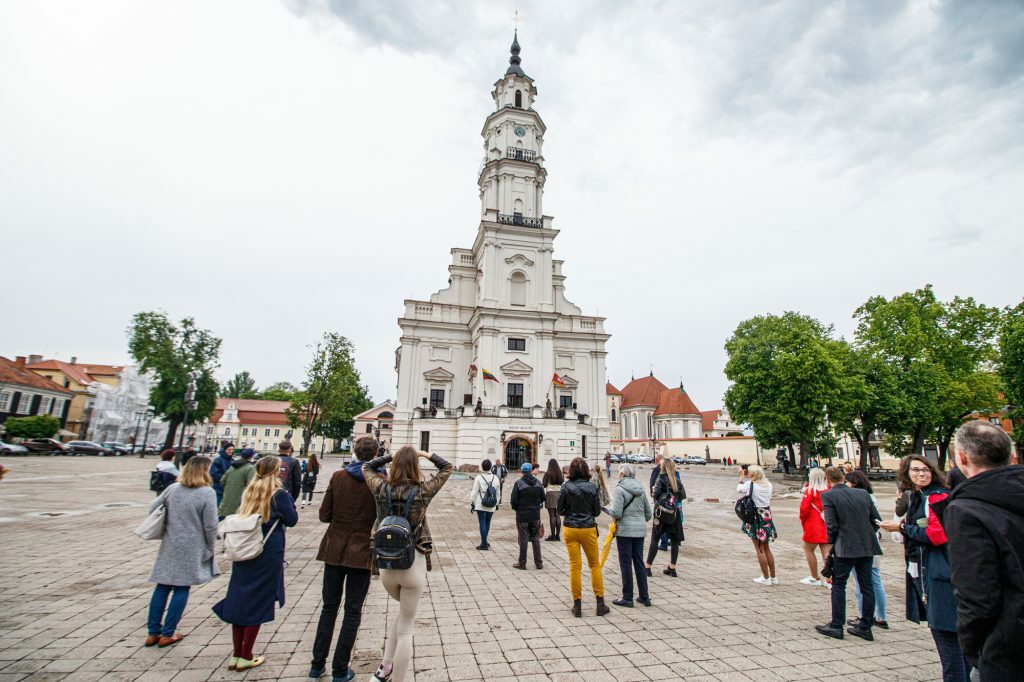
234,482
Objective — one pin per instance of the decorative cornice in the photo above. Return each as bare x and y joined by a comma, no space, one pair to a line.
438,374
520,260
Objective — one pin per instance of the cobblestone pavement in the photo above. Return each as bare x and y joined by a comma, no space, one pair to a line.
73,597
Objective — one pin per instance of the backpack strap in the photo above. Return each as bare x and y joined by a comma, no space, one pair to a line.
408,501
387,498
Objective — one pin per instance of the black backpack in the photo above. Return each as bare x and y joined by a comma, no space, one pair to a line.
745,507
489,497
156,481
394,543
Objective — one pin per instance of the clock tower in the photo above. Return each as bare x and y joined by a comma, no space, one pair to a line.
512,175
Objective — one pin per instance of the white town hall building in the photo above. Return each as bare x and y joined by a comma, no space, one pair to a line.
500,364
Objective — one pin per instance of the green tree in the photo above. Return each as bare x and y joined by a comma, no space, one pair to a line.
331,393
173,352
1011,367
941,356
282,390
39,426
242,385
785,373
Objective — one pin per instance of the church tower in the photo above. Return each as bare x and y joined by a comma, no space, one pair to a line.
500,365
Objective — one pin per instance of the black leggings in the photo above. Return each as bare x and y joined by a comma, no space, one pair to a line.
555,521
652,551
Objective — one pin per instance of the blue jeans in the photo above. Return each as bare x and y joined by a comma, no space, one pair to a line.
484,518
876,581
663,542
157,604
631,560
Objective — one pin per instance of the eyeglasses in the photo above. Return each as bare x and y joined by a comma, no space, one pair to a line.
920,470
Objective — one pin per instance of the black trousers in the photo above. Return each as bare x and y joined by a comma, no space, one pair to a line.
529,533
355,583
660,533
841,573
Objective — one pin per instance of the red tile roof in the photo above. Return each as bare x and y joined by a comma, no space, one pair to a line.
611,390
675,401
11,373
643,391
253,411
75,372
708,418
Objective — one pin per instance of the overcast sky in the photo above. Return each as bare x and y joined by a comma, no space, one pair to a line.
278,168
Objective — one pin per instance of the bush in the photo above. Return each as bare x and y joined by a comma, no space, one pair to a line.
40,426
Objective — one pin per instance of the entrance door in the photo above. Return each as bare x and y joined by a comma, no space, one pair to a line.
518,451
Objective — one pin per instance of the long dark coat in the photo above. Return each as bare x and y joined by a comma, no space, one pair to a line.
674,529
257,583
930,596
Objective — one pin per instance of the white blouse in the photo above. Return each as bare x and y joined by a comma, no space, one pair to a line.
762,492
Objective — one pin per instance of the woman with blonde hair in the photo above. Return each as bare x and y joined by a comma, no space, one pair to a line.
257,583
186,550
762,531
408,493
812,520
668,496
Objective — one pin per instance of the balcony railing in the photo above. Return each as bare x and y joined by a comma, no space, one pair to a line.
520,412
520,154
520,219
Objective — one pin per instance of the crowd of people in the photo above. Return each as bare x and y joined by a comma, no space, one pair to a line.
963,546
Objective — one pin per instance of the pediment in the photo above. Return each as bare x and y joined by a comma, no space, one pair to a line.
569,381
516,368
438,374
519,260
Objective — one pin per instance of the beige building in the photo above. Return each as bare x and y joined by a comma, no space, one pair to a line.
375,422
78,378
614,411
257,424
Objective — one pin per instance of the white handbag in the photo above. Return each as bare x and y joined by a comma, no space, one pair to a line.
154,525
243,536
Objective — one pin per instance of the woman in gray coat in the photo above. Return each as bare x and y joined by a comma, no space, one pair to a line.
186,550
631,510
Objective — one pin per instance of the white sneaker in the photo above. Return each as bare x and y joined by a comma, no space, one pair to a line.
774,581
810,581
763,581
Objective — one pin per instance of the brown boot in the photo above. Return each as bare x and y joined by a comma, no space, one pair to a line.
577,608
152,640
519,567
168,641
602,610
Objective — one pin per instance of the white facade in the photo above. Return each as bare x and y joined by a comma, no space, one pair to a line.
504,312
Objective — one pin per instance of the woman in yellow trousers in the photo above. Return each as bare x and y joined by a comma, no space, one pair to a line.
580,505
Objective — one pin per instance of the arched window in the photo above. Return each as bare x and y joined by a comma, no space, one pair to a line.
519,99
517,288
636,430
613,414
385,415
650,424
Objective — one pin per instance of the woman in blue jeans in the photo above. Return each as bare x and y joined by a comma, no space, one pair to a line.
631,509
186,554
484,513
858,479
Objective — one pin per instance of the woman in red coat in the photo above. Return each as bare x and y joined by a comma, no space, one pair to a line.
812,519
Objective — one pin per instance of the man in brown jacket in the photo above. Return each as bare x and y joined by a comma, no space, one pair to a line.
345,550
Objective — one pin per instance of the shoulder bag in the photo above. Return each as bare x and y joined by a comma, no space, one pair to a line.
154,525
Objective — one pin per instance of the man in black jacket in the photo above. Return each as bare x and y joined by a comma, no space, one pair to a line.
527,500
850,520
985,526
290,474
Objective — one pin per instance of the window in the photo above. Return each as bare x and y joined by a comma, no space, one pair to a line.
467,399
565,401
274,446
437,398
5,400
227,432
636,429
277,432
515,395
517,344
245,431
58,407
369,428
24,403
519,99
266,432
517,290
613,414
425,441
650,424
44,405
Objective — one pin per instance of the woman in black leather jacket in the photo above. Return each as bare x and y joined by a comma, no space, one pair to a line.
580,504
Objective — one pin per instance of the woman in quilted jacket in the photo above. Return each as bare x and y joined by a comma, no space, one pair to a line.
812,520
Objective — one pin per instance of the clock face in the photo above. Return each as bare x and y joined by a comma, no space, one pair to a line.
520,131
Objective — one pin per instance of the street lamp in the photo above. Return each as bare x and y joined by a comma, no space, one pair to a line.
190,404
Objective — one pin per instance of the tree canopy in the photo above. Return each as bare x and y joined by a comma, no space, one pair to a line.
242,385
281,390
1011,367
172,352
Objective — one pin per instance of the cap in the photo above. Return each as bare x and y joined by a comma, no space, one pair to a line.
248,453
526,468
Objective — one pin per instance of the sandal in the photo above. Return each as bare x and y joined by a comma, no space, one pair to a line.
244,664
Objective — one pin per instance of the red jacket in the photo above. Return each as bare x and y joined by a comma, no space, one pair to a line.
811,517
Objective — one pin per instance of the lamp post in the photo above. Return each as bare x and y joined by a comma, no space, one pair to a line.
138,423
190,404
145,438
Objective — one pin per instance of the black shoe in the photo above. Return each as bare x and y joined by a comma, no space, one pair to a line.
623,602
645,602
863,633
829,631
881,624
539,565
602,608
663,549
853,622
577,608
486,547
670,572
648,571
551,538
347,677
481,546
315,673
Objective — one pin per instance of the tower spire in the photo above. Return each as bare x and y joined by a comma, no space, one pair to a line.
514,61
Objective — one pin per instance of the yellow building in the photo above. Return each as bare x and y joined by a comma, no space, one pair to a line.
77,378
257,424
376,423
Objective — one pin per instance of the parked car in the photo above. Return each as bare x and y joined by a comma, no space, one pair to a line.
87,447
45,445
694,459
117,448
639,458
616,459
678,459
12,449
